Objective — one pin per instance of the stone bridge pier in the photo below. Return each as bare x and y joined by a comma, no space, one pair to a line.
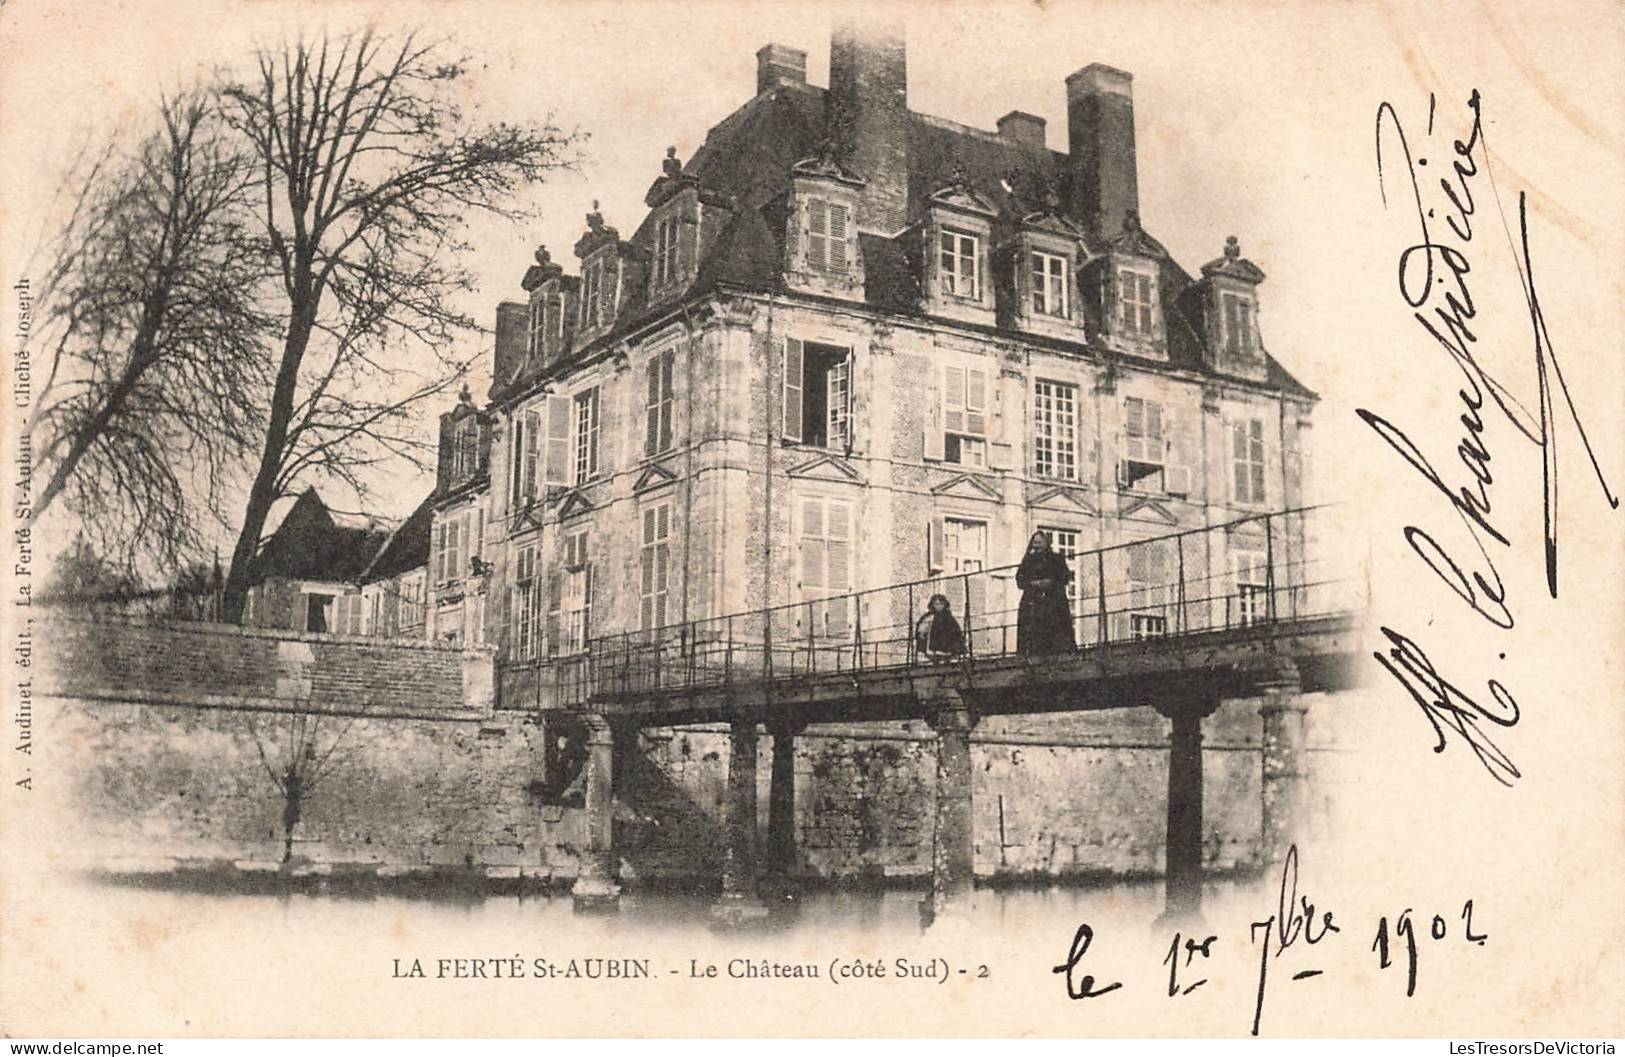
596,889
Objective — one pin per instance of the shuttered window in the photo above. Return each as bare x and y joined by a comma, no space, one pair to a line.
827,234
658,412
1247,439
577,593
522,603
655,581
1238,325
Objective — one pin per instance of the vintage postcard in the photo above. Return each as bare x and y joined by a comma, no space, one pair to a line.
743,519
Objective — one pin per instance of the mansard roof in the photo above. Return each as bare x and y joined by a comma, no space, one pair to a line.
744,170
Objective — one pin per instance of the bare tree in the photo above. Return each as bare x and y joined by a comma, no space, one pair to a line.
366,167
155,371
297,761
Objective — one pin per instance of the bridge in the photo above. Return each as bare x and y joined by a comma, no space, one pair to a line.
1257,607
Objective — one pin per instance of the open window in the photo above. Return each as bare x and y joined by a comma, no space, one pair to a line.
965,394
1144,460
1251,576
817,394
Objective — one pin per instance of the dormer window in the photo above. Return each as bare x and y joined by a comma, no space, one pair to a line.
1237,321
1136,302
537,325
958,264
597,292
1049,285
665,255
465,452
828,226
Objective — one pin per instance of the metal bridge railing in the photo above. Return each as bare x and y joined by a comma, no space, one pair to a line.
1261,569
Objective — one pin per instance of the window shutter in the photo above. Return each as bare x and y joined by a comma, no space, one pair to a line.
818,234
953,400
555,602
651,432
792,368
837,238
558,440
976,402
668,373
586,603
813,551
533,441
935,546
839,577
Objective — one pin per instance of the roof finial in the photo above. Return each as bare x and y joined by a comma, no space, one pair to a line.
671,166
1232,248
543,258
466,396
595,219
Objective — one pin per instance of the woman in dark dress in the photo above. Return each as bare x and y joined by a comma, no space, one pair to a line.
937,634
1044,624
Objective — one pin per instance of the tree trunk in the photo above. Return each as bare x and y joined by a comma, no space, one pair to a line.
263,494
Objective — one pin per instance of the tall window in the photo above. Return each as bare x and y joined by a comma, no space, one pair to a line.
1049,285
1065,543
1137,293
1143,445
657,436
825,546
523,452
817,394
964,415
522,603
1152,579
665,262
577,594
318,612
1238,324
656,578
957,264
449,538
1248,449
1055,430
586,435
827,224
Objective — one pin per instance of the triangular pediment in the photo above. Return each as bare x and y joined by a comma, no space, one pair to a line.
1053,223
574,503
1069,500
528,513
826,165
963,198
966,486
653,476
826,468
1142,509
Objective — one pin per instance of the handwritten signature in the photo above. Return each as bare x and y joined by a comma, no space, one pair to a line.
1433,279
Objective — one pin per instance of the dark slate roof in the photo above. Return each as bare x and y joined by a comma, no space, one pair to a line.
310,545
746,160
407,547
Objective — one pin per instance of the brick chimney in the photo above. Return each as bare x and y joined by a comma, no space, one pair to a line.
512,324
868,117
1020,127
777,64
1100,135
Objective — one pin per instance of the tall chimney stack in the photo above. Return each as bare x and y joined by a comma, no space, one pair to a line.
868,117
1100,135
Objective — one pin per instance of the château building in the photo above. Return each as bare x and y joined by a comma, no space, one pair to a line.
851,345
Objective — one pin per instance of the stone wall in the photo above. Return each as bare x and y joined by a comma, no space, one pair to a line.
1077,796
